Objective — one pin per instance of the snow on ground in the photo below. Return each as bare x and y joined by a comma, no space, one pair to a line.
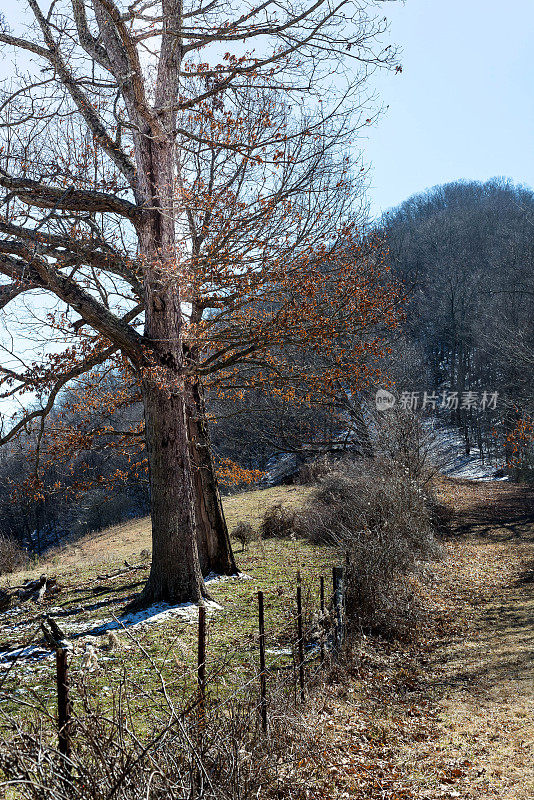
447,452
7,657
214,578
156,613
159,612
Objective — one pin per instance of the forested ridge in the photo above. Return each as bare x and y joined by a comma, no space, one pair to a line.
466,255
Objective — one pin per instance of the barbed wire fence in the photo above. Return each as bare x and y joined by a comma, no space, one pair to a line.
202,720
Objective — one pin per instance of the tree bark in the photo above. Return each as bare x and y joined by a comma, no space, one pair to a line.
213,540
175,573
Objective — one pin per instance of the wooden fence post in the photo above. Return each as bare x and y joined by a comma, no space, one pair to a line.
201,664
58,642
338,584
64,706
322,623
300,637
263,673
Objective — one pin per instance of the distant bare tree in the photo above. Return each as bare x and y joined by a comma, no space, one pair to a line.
465,252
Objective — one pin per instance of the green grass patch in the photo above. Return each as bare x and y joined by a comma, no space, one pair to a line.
150,653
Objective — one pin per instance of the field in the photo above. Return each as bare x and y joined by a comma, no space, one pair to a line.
447,714
95,587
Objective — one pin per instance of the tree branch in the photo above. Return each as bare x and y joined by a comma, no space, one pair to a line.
53,55
107,260
75,372
37,194
29,266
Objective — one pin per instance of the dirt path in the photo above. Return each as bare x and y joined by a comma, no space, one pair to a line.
486,673
452,717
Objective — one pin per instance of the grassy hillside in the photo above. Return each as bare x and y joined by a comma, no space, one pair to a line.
126,541
95,590
447,714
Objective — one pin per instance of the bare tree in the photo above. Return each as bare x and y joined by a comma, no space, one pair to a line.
465,253
97,129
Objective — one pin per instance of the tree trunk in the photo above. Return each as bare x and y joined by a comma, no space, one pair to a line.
360,427
175,573
213,541
364,437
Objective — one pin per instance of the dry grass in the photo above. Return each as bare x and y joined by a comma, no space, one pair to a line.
486,674
93,591
450,717
126,541
483,678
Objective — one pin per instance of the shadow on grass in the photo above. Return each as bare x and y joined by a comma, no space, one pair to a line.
494,511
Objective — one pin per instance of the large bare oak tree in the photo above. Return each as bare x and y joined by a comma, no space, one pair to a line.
103,111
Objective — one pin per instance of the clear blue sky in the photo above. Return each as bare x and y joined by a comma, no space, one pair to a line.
463,106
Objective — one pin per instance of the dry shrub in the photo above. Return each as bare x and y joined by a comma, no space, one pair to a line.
313,471
370,496
245,534
404,441
382,521
12,555
113,758
163,750
402,438
279,522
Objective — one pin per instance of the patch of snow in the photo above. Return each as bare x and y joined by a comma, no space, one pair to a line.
71,628
31,651
159,612
447,452
213,577
471,468
280,468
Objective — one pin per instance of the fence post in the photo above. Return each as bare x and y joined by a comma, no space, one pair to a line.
300,637
201,664
338,585
64,706
58,642
263,673
322,624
